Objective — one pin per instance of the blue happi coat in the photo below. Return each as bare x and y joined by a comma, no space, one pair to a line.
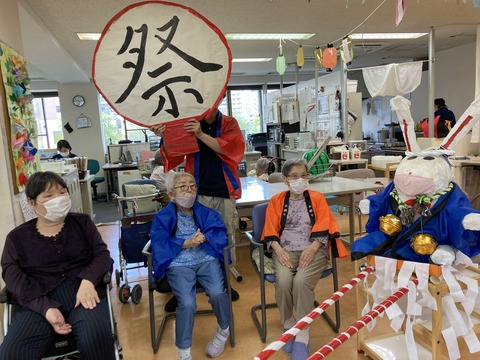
445,227
165,246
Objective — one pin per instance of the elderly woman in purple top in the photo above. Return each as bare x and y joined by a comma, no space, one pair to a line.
53,266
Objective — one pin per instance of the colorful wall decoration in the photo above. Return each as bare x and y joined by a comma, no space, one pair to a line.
23,126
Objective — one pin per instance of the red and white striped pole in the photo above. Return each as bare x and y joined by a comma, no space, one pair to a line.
325,350
305,321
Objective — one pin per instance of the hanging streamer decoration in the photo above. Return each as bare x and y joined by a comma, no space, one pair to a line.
300,57
400,8
346,50
318,57
280,63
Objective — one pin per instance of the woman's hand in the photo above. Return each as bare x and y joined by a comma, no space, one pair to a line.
87,295
308,254
158,129
56,319
197,239
282,256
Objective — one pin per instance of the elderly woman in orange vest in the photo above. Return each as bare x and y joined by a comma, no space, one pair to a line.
299,226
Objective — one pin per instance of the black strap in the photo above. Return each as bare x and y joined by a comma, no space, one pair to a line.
393,241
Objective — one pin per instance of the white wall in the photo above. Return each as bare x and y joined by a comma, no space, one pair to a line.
88,141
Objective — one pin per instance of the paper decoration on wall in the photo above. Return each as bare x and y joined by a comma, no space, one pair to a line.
68,127
158,62
330,57
23,126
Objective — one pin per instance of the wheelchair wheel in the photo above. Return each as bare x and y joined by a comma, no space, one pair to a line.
136,294
124,293
243,225
117,277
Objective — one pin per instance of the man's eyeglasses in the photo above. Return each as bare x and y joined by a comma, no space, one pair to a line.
298,176
185,188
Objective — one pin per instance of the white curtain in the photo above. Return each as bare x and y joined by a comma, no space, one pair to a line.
393,79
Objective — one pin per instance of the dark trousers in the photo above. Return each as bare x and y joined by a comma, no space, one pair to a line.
31,335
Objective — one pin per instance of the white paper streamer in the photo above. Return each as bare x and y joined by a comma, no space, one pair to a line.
410,340
454,316
453,286
472,342
427,299
451,342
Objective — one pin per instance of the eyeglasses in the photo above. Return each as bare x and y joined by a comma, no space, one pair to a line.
298,176
185,188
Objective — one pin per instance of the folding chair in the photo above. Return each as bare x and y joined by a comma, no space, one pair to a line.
258,221
64,345
161,286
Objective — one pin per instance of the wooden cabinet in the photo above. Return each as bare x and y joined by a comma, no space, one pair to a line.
384,343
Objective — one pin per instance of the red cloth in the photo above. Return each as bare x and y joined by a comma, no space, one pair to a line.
233,146
424,124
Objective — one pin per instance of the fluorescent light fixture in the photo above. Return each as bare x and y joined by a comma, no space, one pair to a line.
89,36
268,36
386,36
249,60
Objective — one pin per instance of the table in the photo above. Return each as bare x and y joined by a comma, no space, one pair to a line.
110,169
338,191
388,170
340,163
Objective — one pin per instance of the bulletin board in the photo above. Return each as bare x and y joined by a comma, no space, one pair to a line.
20,123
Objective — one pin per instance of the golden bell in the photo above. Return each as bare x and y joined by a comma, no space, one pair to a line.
390,224
423,244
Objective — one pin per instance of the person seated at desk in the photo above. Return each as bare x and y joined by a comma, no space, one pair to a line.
187,245
53,266
261,169
298,226
64,150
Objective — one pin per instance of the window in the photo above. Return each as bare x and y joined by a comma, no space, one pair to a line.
243,104
49,120
115,128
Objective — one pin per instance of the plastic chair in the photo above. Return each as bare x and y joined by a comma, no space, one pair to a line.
275,177
94,167
64,345
258,221
162,286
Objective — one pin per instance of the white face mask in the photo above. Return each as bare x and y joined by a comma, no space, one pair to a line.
411,185
64,154
185,200
57,208
298,186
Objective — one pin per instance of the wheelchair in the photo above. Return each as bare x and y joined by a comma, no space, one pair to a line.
64,345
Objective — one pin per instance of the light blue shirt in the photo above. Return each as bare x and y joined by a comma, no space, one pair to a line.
186,228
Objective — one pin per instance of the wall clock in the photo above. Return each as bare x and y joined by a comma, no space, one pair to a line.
78,100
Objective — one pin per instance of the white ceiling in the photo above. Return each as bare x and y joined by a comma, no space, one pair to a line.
55,53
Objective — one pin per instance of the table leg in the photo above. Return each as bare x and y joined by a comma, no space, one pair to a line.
351,218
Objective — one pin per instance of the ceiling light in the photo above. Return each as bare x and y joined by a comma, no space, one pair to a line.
89,36
245,60
268,36
386,36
